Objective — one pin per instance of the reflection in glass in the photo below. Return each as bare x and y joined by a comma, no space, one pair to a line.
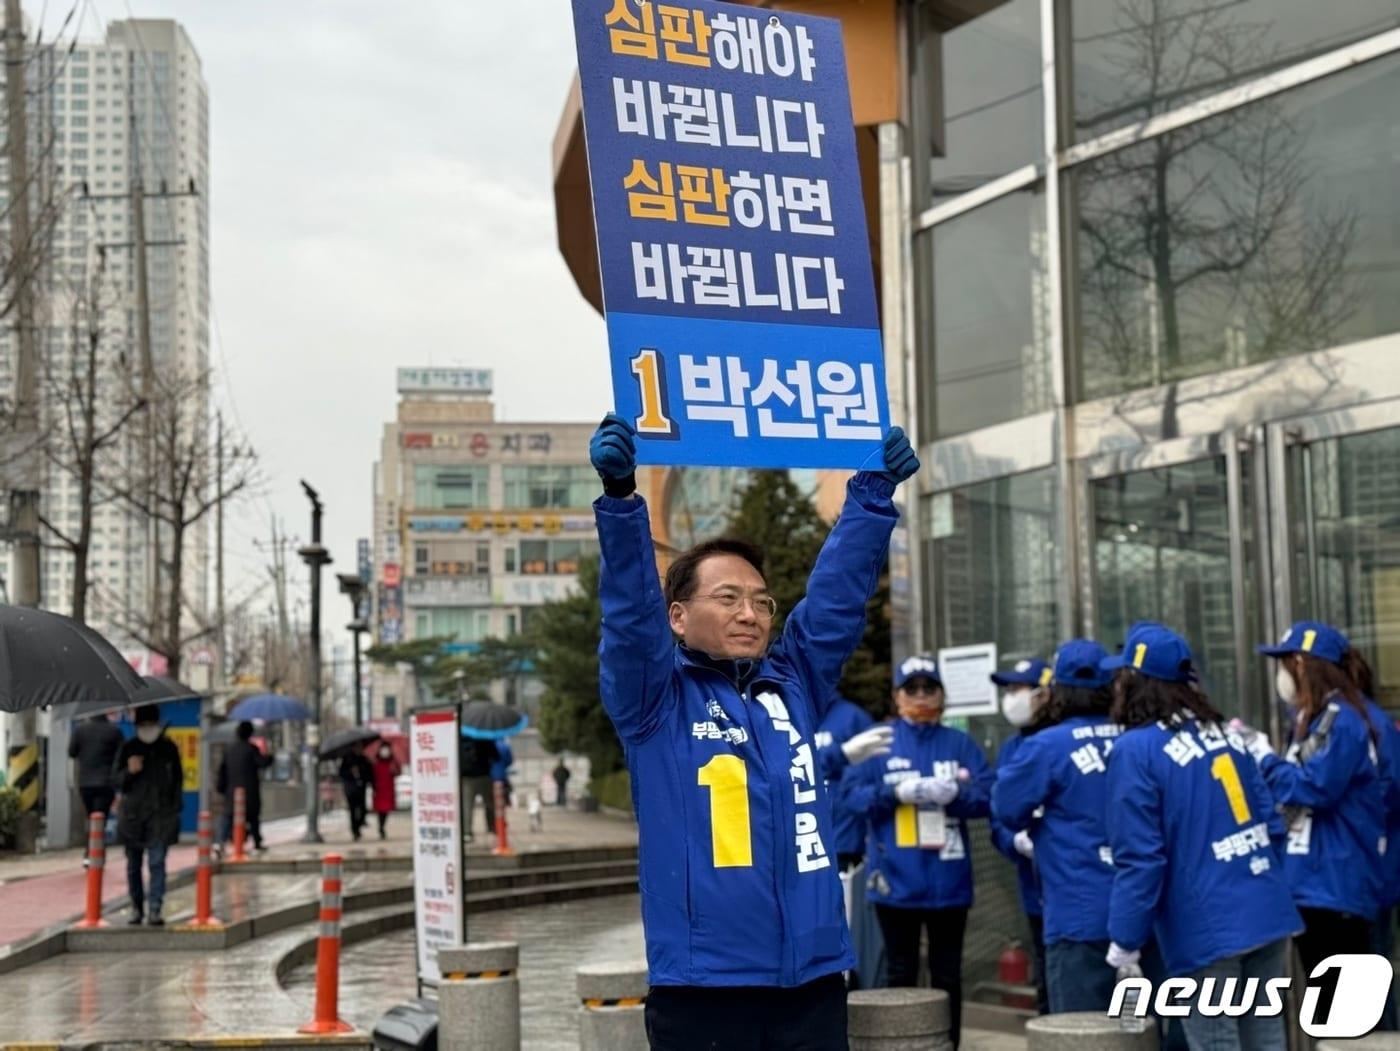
1162,552
1345,518
699,504
1267,231
991,338
1135,59
992,109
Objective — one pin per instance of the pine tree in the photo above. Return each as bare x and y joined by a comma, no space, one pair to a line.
772,512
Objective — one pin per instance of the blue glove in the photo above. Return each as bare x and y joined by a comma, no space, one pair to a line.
897,457
613,452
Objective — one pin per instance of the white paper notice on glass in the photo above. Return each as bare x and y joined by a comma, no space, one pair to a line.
967,685
933,828
439,913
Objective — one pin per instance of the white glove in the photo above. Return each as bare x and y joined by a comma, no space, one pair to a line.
943,790
867,744
915,790
1023,844
1119,957
1251,740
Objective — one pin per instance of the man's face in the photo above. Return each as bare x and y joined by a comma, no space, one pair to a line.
729,614
920,700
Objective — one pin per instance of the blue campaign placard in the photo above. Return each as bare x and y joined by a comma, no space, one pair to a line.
742,322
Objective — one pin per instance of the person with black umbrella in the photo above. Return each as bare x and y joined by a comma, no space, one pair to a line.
95,744
242,768
356,773
151,782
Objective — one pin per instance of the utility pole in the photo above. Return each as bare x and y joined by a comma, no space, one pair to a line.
315,556
219,610
24,492
353,588
148,372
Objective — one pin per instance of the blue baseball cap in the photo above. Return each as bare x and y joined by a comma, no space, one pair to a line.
1030,672
920,666
1312,637
1155,651
1077,664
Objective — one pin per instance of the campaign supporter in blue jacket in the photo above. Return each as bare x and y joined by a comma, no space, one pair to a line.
1059,774
1190,828
918,800
1025,687
737,864
844,721
1331,783
1382,930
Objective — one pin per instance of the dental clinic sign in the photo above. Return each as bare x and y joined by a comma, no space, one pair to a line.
741,311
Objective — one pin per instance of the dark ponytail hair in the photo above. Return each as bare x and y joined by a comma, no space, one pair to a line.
1320,680
1359,672
1066,701
1139,700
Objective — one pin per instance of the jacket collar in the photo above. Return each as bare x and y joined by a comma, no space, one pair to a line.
741,674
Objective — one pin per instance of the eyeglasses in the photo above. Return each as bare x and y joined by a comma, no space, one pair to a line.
765,607
920,689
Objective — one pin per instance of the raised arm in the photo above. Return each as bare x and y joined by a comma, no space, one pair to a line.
826,626
636,657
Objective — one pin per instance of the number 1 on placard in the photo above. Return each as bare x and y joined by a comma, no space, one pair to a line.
651,381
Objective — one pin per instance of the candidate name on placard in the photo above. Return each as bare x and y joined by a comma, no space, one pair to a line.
439,913
742,321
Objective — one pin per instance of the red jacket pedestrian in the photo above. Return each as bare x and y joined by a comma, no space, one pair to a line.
385,770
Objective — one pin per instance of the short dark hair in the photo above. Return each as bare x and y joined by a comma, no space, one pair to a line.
680,578
245,730
145,713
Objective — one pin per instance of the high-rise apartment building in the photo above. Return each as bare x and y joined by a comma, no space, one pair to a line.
106,117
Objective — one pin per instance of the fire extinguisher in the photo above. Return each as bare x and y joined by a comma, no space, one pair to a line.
1014,965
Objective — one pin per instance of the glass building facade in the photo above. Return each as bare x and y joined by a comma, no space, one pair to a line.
1155,271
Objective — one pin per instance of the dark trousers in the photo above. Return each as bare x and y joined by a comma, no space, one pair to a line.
1326,933
359,812
155,855
902,927
809,1017
1383,944
486,789
97,801
1079,977
1042,997
383,816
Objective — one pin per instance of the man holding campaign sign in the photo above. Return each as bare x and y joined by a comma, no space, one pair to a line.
741,900
742,321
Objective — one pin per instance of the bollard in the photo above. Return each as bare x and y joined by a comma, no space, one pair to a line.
240,824
612,1016
479,997
204,874
903,1019
97,861
327,1018
1086,1031
502,847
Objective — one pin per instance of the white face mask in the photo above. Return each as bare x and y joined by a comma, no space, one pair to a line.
148,734
1016,706
1286,687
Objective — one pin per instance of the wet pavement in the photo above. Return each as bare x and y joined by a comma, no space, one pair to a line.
554,940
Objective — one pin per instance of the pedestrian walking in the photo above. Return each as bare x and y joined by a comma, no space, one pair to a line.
95,744
475,759
500,769
148,819
356,774
536,811
384,770
918,800
242,768
561,783
736,845
1025,689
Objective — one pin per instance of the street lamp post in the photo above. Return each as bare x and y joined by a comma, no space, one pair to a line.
315,556
354,589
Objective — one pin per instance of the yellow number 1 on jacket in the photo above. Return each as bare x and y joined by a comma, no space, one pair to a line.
728,781
1222,768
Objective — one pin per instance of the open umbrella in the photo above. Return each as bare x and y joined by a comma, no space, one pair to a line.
155,689
487,721
49,659
343,742
270,708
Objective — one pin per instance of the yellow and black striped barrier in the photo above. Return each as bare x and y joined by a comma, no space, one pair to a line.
23,774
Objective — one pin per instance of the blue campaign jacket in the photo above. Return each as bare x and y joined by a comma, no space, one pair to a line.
1191,826
899,871
844,719
500,769
1332,856
737,853
1004,835
1063,769
1390,779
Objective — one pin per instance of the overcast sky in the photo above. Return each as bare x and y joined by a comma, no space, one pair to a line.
381,196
